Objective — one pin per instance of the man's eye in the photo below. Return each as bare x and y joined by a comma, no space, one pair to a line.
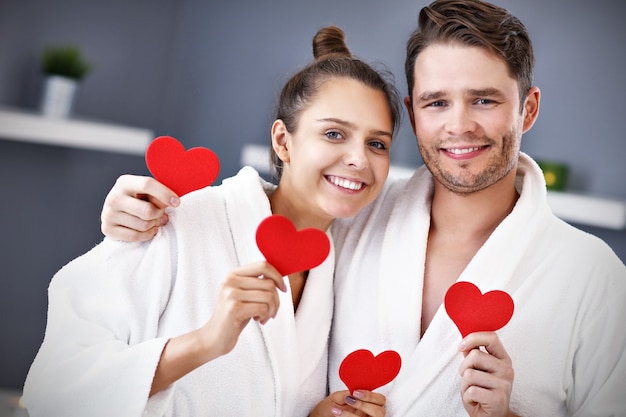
484,101
437,104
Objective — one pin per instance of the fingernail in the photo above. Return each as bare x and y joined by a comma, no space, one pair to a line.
336,411
358,394
350,400
174,201
462,345
164,220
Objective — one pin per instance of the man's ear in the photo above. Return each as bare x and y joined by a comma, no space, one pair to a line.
531,108
279,140
409,109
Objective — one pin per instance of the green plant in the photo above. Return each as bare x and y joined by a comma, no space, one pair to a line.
66,61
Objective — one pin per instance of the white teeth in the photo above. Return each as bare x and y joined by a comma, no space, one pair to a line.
344,183
462,151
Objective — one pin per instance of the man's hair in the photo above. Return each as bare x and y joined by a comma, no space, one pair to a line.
474,23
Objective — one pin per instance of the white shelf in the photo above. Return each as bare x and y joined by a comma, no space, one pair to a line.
588,210
26,126
576,208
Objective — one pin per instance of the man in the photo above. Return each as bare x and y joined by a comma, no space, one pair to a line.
476,212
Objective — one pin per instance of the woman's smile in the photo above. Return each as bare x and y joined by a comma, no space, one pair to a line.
345,183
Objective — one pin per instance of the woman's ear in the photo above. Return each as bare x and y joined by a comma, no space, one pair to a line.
279,140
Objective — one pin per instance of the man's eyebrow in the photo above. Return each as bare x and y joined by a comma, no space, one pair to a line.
351,125
430,95
485,92
472,92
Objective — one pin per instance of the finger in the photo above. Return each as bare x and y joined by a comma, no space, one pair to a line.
487,363
370,397
142,207
367,408
245,311
475,395
263,270
246,290
480,360
231,310
487,380
129,235
489,340
112,219
138,186
125,227
252,282
495,401
339,397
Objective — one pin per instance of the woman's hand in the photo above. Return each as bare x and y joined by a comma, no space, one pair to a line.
361,403
134,209
249,292
486,375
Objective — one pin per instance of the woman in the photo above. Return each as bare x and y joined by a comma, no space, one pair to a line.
127,330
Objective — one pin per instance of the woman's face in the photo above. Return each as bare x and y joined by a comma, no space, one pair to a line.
337,160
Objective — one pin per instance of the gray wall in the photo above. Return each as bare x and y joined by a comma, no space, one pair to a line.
208,74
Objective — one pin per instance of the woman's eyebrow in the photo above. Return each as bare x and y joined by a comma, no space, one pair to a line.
351,125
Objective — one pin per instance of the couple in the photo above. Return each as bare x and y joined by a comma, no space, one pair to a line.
476,212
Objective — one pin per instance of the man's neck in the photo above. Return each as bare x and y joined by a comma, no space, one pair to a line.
473,216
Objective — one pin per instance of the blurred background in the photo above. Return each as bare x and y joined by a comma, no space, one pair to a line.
208,73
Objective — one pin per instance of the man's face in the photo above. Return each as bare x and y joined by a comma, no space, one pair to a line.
466,116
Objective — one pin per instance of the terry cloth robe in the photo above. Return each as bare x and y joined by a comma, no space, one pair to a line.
112,310
566,338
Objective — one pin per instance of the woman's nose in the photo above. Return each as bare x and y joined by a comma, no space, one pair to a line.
356,157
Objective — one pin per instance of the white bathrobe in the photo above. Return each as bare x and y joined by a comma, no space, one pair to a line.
112,310
567,337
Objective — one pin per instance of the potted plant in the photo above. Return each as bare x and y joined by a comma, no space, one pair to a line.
64,67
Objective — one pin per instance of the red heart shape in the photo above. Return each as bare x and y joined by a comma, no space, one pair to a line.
182,171
473,311
290,250
362,370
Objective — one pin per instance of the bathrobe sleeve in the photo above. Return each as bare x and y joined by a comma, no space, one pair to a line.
598,374
100,349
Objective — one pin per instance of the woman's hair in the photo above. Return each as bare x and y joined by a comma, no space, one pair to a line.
474,23
332,60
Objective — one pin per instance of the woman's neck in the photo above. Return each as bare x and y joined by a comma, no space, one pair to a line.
301,216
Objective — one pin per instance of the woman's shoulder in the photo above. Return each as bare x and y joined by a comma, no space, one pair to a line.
211,207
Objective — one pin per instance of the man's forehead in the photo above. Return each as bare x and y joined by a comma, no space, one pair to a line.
445,67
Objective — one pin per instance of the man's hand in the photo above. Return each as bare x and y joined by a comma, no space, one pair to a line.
487,376
134,209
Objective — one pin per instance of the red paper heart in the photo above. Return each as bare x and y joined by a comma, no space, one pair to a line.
290,250
362,370
473,311
182,171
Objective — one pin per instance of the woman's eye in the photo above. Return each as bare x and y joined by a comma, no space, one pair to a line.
378,145
333,135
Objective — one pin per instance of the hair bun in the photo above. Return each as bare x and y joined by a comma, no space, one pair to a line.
330,41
